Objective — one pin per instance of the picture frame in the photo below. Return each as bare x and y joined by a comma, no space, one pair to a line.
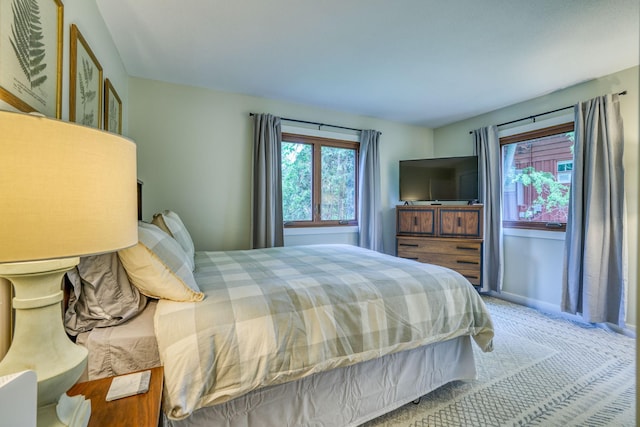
85,82
31,72
112,109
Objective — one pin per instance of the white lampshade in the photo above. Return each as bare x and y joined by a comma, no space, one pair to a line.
65,190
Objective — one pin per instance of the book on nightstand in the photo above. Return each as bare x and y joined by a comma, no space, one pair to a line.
128,385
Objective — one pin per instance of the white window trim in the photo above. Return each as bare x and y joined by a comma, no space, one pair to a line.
534,234
302,231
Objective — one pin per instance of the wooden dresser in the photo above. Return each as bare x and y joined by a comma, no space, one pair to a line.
446,235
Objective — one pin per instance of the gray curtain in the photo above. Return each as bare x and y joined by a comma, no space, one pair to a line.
369,206
266,220
593,276
487,148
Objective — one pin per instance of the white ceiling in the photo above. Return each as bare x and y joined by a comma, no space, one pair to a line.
424,62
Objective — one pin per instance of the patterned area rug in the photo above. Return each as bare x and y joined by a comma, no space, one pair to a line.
543,371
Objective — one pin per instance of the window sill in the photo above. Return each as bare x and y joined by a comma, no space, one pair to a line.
533,234
300,231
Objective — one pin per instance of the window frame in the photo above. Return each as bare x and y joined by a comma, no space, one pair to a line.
317,142
526,136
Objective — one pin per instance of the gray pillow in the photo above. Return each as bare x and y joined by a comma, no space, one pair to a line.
102,294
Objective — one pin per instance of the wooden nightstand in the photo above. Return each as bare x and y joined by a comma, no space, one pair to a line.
140,410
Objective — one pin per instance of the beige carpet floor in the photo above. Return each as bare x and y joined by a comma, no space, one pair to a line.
544,371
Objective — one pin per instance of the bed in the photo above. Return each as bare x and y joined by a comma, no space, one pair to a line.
331,335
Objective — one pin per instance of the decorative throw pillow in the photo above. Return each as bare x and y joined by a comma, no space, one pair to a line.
171,223
159,267
102,294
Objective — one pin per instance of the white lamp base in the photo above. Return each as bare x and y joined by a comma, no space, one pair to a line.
74,411
40,342
69,412
47,417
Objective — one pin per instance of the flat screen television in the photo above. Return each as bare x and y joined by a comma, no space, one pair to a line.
439,179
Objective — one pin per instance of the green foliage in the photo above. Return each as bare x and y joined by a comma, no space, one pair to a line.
27,40
297,174
571,136
113,116
551,193
337,182
87,96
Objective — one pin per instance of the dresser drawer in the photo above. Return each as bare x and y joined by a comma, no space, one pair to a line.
463,256
466,263
456,261
440,246
470,269
472,276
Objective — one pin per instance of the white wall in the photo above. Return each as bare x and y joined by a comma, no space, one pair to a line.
83,13
194,156
533,260
537,261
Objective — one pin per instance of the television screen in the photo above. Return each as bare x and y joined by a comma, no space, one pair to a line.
439,179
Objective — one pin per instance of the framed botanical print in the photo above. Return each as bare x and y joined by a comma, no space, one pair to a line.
85,82
31,55
112,109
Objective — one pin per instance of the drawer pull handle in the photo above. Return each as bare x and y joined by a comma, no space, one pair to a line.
459,221
413,245
471,277
467,262
406,257
466,248
415,221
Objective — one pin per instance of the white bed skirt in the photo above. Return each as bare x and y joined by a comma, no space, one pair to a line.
345,396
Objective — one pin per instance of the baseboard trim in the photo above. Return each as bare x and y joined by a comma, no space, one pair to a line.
553,309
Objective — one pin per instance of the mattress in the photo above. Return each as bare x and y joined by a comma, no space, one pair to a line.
346,396
116,350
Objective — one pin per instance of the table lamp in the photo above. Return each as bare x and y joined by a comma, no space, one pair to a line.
65,191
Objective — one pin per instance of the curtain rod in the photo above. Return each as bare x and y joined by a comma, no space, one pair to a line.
315,123
533,117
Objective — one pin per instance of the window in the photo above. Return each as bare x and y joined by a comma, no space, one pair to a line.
537,169
319,181
564,171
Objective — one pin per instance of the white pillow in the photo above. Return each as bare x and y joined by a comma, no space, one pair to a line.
159,267
170,222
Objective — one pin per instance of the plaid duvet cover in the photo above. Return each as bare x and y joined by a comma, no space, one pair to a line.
275,315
